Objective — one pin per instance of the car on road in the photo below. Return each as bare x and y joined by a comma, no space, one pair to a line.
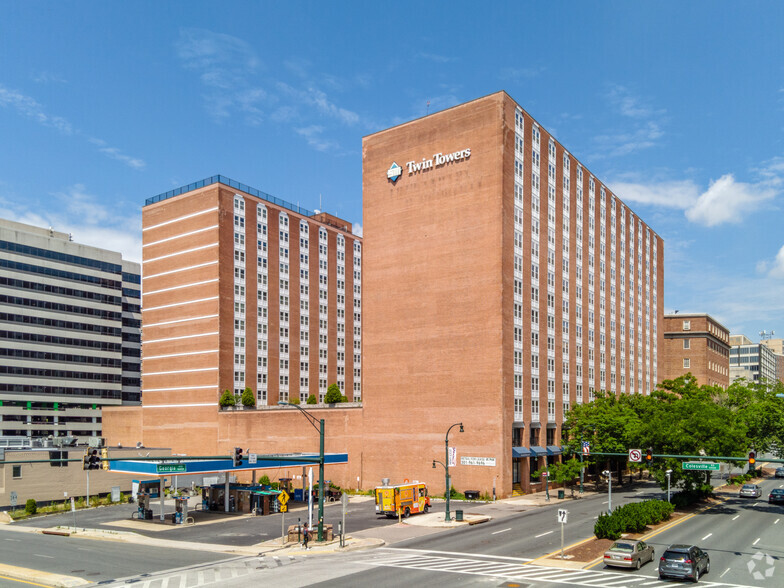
750,491
779,472
683,561
629,553
776,496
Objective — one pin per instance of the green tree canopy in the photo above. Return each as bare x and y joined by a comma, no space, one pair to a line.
333,394
227,398
248,398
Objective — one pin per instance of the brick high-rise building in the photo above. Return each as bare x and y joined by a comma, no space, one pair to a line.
504,283
696,344
242,289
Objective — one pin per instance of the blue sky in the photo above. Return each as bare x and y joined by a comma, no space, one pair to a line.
679,107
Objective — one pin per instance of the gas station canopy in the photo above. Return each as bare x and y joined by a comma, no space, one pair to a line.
168,466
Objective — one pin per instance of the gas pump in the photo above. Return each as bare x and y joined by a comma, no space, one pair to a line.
142,505
180,509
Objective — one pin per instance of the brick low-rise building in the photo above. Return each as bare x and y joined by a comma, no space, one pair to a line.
696,344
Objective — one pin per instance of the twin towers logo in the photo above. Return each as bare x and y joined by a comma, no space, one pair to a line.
438,160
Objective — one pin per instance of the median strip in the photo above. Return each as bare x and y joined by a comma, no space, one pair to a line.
39,578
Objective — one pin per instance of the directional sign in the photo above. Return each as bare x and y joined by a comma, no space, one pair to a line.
635,455
701,465
562,514
170,468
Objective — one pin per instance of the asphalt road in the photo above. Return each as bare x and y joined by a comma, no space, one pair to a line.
93,560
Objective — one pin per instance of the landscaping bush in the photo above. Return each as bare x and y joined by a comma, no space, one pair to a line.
632,518
227,398
312,399
333,395
248,398
30,506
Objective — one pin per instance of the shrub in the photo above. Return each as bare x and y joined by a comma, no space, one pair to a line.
264,480
333,395
227,398
30,506
248,398
294,400
631,518
312,399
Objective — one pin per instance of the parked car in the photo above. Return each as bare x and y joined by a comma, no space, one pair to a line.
628,554
776,496
780,472
683,561
750,491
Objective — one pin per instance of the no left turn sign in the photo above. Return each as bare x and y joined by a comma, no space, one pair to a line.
635,455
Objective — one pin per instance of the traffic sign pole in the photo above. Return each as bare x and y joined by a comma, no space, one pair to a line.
562,515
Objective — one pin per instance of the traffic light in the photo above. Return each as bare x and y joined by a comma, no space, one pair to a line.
86,461
237,457
105,458
649,455
95,461
752,458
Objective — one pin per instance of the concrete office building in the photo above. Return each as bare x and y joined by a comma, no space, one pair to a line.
753,361
696,344
504,283
70,335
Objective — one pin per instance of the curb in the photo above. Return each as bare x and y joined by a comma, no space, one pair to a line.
45,578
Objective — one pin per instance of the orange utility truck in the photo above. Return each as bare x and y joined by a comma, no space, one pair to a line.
404,499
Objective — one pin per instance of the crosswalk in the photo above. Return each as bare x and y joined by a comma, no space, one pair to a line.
518,570
213,574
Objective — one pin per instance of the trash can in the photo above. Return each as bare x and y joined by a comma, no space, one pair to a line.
458,515
561,495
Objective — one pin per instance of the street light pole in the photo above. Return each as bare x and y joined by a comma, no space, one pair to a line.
446,468
608,473
582,467
313,420
668,484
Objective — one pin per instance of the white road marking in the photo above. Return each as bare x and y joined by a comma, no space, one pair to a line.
757,541
501,531
7,539
724,572
46,556
605,502
542,535
776,521
735,517
706,536
474,555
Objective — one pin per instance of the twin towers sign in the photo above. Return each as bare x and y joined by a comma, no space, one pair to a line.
438,160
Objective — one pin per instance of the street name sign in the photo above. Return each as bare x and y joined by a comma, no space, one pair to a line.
170,468
701,465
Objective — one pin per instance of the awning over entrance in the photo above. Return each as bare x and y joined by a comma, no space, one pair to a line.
553,450
521,452
538,451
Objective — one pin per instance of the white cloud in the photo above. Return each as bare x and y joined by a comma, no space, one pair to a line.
30,108
356,228
631,106
643,137
776,268
728,201
81,214
672,194
313,136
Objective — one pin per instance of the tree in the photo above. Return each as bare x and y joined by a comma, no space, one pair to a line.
312,399
564,472
248,398
333,394
294,400
227,399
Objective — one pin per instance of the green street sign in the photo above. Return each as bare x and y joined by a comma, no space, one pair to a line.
173,468
701,465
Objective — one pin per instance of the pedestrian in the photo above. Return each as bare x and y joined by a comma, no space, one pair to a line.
305,536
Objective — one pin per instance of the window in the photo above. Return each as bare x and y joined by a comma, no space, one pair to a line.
687,325
686,344
17,472
686,363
